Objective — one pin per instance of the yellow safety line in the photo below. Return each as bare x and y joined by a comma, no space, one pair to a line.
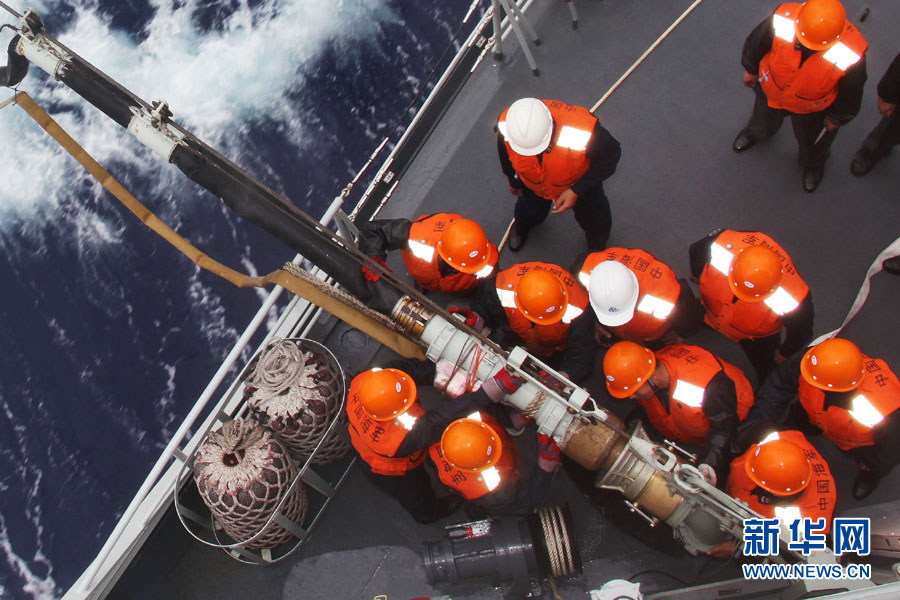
304,289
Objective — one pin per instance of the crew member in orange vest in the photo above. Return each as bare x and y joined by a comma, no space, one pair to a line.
638,298
751,291
443,252
479,461
544,308
782,476
557,156
688,394
391,432
809,62
851,398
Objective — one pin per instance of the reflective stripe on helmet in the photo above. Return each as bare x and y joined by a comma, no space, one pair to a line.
720,258
688,393
657,307
572,138
572,313
421,251
781,302
784,27
841,56
863,411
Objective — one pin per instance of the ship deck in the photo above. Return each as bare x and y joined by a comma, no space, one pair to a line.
678,179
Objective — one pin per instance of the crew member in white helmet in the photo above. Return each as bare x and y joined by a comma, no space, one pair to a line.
556,155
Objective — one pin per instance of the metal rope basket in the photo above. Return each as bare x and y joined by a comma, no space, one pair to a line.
300,498
295,391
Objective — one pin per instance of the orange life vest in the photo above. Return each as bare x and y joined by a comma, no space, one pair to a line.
376,441
565,161
476,485
812,86
817,500
737,319
540,339
422,259
658,292
690,370
877,397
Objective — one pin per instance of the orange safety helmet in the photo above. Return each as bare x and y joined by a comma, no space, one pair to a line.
835,365
471,445
755,273
464,246
541,297
778,466
627,366
820,23
386,393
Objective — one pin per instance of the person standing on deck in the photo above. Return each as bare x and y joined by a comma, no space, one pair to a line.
443,252
751,291
638,298
886,134
687,393
809,62
851,398
556,155
392,432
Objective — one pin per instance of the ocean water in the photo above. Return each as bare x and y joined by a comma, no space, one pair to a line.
108,335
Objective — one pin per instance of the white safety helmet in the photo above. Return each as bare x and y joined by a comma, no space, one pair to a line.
529,126
613,291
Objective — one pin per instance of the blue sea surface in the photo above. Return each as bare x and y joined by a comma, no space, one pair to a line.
108,334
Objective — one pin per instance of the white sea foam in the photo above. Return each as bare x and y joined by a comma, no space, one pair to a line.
217,82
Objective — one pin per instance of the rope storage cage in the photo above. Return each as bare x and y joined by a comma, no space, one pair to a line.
264,518
295,391
241,473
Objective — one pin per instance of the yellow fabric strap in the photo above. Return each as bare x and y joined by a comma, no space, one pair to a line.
346,312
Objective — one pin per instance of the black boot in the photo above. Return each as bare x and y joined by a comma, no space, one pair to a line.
743,141
892,265
812,178
865,484
516,239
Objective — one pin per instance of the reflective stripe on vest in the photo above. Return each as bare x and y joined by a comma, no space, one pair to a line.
789,514
584,278
657,307
784,27
573,138
688,393
491,478
720,258
421,250
781,302
407,421
572,313
484,272
841,56
507,298
863,411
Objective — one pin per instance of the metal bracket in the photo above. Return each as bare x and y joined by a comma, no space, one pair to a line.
633,507
151,128
347,229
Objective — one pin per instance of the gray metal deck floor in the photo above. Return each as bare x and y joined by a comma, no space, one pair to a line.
678,179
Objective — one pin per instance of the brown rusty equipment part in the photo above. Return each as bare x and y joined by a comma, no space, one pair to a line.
597,446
